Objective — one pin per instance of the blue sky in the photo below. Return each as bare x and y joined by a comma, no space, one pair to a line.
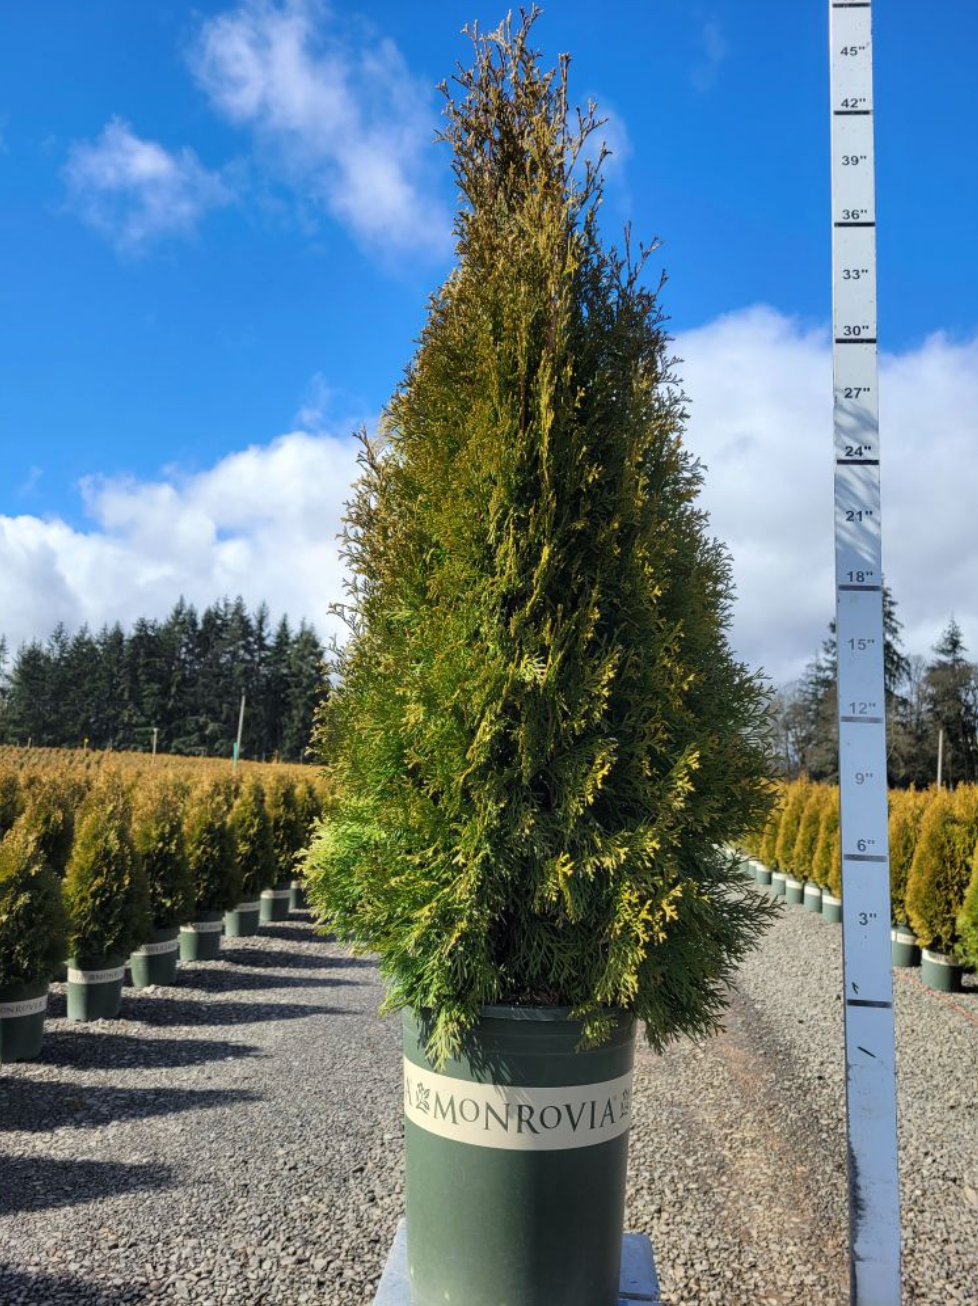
219,224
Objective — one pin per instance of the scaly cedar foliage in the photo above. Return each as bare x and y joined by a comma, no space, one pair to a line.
538,705
9,798
105,887
827,865
968,918
159,837
809,828
254,849
788,826
941,867
907,808
214,868
288,812
33,924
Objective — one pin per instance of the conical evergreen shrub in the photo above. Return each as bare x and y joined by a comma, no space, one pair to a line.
769,831
9,798
791,814
907,808
252,829
158,833
105,887
941,867
968,918
289,830
802,861
214,869
33,924
538,706
827,864
49,802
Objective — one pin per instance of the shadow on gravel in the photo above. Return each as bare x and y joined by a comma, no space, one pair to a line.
17,1286
293,934
229,981
31,1183
160,1011
123,1051
275,960
36,1105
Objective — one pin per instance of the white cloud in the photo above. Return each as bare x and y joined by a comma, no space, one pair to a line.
261,523
135,191
760,386
714,51
344,122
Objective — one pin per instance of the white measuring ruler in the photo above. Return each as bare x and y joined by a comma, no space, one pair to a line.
874,1196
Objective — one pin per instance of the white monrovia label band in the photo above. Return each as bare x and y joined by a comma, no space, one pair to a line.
157,949
109,976
26,1007
203,927
874,1205
519,1119
275,893
248,906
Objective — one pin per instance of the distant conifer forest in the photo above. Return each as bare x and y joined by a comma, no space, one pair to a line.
182,677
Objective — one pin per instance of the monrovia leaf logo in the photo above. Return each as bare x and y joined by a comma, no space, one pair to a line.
528,1119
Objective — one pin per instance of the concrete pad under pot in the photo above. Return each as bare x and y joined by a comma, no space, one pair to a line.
515,1160
200,939
156,961
23,1008
939,971
242,922
275,902
904,948
95,987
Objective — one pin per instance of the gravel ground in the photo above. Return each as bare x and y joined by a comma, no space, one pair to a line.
237,1140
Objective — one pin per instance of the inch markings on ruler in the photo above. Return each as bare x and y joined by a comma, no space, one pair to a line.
874,1210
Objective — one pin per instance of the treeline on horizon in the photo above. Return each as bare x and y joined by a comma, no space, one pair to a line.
927,700
183,676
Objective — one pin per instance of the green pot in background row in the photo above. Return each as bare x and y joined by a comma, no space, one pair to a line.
95,987
275,902
812,900
794,891
156,961
762,874
200,939
831,908
515,1162
904,949
242,922
939,971
23,1008
777,884
297,896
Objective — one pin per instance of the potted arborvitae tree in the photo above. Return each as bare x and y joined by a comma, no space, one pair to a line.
539,713
309,801
968,917
33,942
907,809
288,838
214,870
827,864
107,898
803,853
938,882
794,808
253,851
158,832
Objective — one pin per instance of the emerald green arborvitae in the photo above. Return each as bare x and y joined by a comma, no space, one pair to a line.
941,868
290,830
253,839
210,848
33,925
159,837
106,893
538,716
968,918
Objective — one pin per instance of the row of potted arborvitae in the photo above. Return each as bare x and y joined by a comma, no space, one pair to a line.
140,876
539,739
933,849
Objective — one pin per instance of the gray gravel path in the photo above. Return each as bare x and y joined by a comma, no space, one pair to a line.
237,1140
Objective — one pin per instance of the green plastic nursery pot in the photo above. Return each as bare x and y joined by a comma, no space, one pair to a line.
200,939
22,1011
297,896
515,1161
794,891
904,947
812,900
831,908
242,923
762,873
777,884
95,987
60,975
156,961
939,971
275,902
